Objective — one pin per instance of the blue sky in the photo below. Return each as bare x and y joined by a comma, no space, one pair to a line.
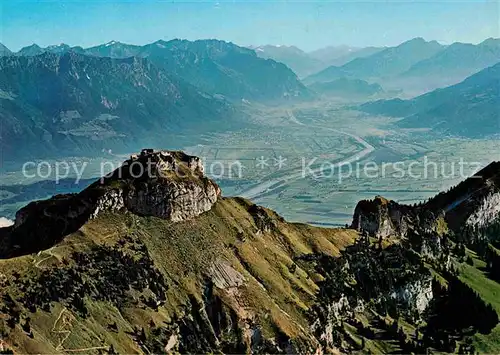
306,24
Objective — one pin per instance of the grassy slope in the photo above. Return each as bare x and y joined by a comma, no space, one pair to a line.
489,290
272,296
183,252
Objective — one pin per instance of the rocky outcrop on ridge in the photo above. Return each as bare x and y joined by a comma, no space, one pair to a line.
168,185
472,205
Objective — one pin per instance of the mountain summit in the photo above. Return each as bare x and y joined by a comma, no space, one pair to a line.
31,50
165,184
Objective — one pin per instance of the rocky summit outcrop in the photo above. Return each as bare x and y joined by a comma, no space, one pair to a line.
374,217
381,218
169,185
165,184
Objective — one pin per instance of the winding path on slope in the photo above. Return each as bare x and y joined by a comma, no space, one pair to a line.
269,185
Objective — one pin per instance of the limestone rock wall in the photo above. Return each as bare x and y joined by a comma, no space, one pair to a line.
174,201
487,213
416,296
379,217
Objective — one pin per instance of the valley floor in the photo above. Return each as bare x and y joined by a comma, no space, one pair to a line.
339,142
277,163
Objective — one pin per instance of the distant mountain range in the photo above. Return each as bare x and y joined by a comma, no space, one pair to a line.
224,68
355,53
35,49
71,99
73,103
303,63
470,108
216,67
63,98
385,63
416,65
456,61
332,53
296,59
347,88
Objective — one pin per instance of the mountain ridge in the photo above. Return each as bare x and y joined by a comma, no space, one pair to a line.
214,66
456,62
384,63
4,51
234,276
221,67
457,109
307,63
102,103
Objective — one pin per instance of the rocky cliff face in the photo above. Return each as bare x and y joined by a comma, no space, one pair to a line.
472,205
168,185
487,213
415,296
381,218
367,279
